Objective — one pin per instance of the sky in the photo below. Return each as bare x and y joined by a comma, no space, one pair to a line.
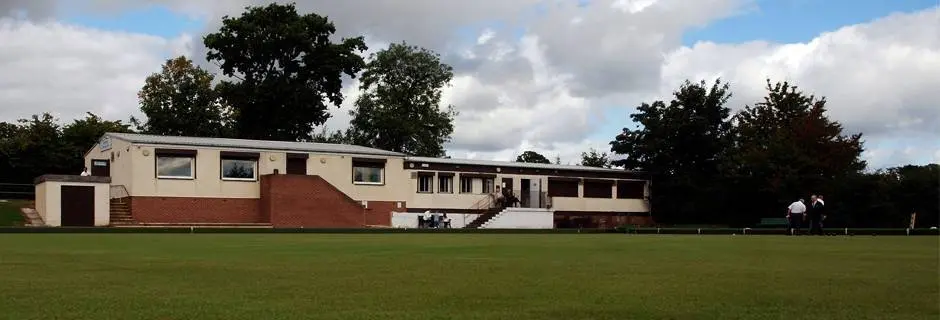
555,76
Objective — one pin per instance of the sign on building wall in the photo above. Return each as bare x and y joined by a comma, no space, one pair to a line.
104,144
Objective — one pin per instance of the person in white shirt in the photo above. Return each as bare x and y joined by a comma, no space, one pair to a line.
85,172
795,216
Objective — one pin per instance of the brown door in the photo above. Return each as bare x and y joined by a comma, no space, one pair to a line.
78,206
296,166
100,167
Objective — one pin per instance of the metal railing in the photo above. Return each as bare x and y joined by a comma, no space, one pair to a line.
119,192
17,191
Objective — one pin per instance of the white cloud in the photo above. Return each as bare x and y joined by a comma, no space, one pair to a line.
542,91
70,70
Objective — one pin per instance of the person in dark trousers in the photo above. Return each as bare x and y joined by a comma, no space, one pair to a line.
816,215
795,216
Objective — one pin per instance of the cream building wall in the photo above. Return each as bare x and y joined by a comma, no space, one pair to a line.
336,169
121,166
457,200
134,167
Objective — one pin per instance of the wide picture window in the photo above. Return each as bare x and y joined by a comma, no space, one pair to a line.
175,167
240,169
368,172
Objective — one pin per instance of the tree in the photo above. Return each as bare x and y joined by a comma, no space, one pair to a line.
786,147
593,158
327,136
285,65
82,134
34,148
532,157
682,144
180,101
399,109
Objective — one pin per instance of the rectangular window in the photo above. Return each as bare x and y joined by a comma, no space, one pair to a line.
445,184
369,171
627,189
598,188
563,187
489,185
176,167
240,169
466,185
425,183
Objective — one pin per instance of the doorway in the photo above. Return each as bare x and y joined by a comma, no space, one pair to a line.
78,206
297,163
100,167
525,193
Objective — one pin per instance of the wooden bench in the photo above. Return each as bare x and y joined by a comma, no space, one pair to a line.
773,222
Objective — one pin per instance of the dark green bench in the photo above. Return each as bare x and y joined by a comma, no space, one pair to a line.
773,222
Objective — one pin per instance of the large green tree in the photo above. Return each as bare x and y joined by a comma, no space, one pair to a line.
533,157
786,147
400,105
180,101
683,145
40,145
286,69
593,158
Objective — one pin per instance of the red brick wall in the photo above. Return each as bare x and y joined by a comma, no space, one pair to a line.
286,201
379,213
194,210
312,202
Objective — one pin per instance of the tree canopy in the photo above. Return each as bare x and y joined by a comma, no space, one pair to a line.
593,158
286,69
532,157
181,101
40,145
682,144
400,105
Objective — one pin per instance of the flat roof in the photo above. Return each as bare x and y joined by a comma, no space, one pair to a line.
336,148
252,144
511,164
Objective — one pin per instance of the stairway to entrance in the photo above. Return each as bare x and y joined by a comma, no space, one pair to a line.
121,213
483,218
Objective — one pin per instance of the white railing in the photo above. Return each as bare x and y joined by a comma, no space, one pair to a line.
119,191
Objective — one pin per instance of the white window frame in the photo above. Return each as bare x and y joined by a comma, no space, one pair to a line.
445,181
192,168
470,184
428,186
381,176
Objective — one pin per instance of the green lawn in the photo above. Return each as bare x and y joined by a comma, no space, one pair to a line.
10,214
466,276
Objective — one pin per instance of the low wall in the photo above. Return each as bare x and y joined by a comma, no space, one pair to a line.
522,218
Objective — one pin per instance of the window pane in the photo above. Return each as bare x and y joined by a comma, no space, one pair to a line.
238,169
175,167
367,174
445,184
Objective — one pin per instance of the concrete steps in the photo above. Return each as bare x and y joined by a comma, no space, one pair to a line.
32,217
121,213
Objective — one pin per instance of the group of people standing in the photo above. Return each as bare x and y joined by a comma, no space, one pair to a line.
798,214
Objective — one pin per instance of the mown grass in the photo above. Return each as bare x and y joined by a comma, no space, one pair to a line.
466,276
10,214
